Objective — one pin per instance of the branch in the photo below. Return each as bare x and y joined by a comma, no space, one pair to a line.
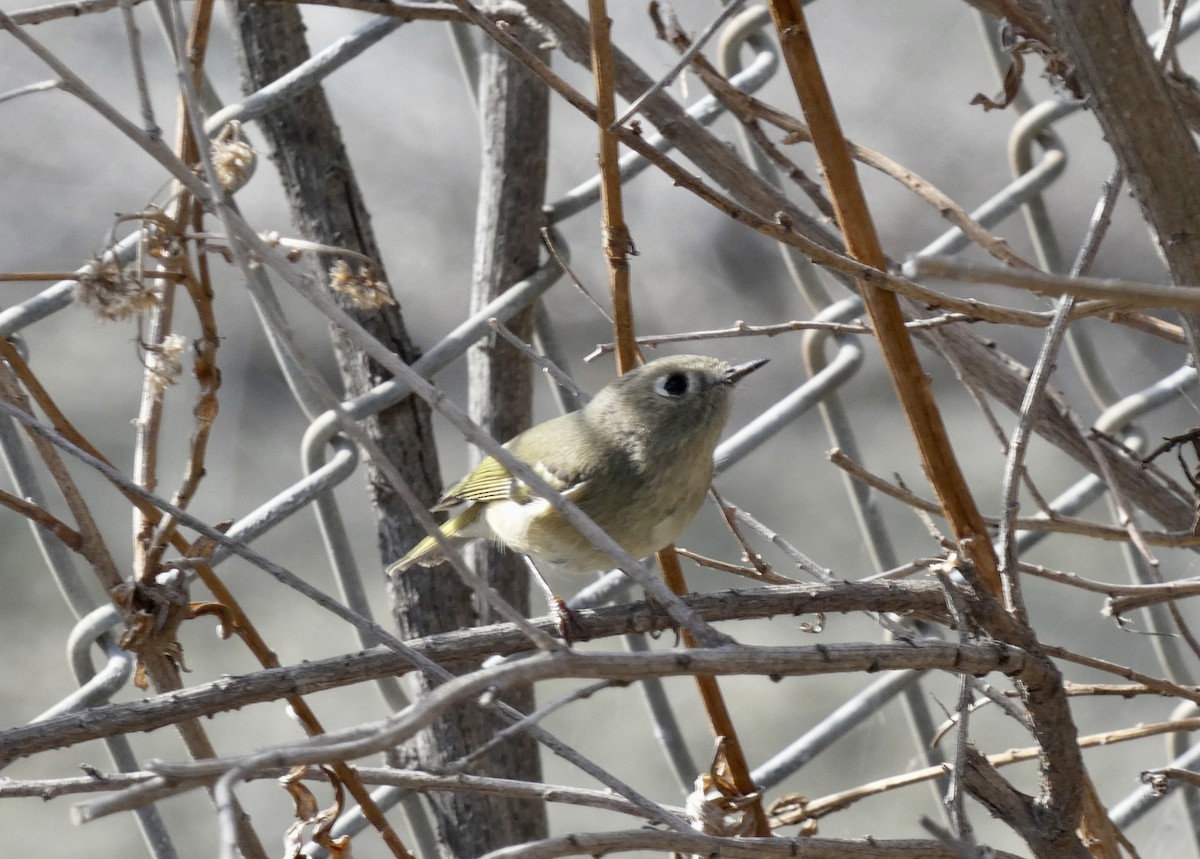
622,667
1112,61
1057,524
732,848
795,809
142,788
913,386
453,649
1119,293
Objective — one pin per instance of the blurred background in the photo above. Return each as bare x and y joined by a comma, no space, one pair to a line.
902,76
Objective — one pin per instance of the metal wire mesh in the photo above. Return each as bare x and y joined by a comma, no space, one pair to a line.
834,362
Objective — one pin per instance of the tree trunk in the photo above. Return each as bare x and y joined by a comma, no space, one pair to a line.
328,208
514,120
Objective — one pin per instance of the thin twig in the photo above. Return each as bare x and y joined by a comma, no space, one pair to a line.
729,514
1117,292
666,80
749,110
70,538
751,573
92,545
564,381
742,329
139,68
1014,463
1157,684
739,329
1169,590
1057,524
526,722
554,244
789,811
140,788
955,798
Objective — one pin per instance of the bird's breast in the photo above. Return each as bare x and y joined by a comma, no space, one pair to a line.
643,508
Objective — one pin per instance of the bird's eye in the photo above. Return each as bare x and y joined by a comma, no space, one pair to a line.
675,384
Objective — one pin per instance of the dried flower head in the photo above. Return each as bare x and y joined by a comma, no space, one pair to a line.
160,239
364,290
163,363
233,157
113,292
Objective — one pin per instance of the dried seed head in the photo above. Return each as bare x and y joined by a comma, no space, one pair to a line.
163,363
364,290
114,293
233,157
159,242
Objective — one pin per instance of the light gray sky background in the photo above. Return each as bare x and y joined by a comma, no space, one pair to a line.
902,75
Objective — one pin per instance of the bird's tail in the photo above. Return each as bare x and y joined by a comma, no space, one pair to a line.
458,530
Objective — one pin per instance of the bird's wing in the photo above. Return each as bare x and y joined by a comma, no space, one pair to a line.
492,482
574,486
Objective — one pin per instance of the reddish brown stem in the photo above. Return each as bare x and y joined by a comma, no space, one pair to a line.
913,386
617,246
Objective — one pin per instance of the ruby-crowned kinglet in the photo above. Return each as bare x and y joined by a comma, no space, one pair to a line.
637,459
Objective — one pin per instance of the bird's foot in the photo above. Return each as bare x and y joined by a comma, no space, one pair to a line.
570,629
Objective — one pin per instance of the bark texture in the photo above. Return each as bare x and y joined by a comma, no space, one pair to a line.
327,207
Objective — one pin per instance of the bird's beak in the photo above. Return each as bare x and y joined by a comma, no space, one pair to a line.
739,371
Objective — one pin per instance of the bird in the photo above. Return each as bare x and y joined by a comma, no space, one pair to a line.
637,459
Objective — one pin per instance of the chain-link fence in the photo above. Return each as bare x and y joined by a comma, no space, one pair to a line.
912,662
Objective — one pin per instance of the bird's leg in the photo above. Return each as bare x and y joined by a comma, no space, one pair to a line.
539,578
569,628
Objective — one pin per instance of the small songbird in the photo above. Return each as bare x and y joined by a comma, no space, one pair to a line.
637,459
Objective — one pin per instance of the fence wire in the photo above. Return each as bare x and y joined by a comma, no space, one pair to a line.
1039,157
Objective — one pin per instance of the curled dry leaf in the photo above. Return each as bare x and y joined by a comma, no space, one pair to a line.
715,806
792,809
227,624
815,626
202,550
1012,85
1016,41
309,814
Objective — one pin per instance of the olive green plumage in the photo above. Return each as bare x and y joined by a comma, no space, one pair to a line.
637,459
